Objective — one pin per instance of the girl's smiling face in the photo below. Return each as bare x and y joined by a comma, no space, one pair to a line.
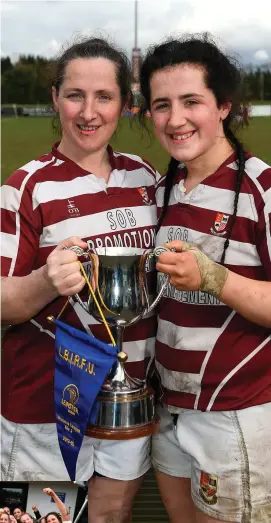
187,120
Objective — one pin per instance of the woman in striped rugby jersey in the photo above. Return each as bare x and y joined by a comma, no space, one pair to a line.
81,193
213,348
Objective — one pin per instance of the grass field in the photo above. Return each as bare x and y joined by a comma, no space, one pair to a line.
24,139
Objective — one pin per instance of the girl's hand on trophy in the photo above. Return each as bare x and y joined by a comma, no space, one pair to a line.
62,269
181,267
190,269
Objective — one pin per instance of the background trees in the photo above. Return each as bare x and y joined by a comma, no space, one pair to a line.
29,81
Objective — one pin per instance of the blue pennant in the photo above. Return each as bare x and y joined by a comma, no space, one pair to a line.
81,366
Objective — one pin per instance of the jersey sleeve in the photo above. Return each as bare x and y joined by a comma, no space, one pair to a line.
157,175
158,178
20,226
159,193
264,228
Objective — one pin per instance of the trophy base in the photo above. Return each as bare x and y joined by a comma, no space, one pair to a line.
124,414
137,431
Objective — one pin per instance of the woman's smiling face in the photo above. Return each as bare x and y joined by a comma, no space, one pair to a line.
89,104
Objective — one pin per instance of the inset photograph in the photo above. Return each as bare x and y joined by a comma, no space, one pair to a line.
68,502
35,502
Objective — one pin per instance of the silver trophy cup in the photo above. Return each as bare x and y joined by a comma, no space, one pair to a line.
119,280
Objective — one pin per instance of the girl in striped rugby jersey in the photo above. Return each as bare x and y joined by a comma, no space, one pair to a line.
213,348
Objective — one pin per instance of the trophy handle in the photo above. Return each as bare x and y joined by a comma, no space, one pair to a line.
156,252
80,252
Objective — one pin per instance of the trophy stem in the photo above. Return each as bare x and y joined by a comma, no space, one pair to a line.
117,374
118,379
118,335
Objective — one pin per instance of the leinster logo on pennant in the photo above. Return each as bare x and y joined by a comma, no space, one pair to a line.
220,224
70,397
143,192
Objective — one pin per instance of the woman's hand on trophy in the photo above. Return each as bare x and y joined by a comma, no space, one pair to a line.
62,269
190,269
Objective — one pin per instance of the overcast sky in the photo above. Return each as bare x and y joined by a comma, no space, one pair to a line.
42,27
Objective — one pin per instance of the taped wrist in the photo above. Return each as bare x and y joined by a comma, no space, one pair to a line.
213,275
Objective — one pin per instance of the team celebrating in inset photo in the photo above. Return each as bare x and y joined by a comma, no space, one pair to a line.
18,514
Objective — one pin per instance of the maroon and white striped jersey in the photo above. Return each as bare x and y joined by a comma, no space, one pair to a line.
44,202
208,356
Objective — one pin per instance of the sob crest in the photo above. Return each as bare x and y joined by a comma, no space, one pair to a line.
208,488
220,224
143,192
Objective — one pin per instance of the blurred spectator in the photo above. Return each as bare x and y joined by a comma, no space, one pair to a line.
27,518
7,510
36,512
4,518
53,517
246,114
17,513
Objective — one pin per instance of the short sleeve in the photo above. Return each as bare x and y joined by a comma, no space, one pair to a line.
264,225
20,226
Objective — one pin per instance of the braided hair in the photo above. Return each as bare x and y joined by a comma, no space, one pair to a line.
241,158
223,77
171,174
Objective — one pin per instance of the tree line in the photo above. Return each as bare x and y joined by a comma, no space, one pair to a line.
29,80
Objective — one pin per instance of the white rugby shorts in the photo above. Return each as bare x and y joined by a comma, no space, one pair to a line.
226,454
30,452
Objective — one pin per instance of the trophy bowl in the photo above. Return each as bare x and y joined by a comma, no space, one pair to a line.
119,280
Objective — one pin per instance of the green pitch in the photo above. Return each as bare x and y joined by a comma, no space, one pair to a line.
24,139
